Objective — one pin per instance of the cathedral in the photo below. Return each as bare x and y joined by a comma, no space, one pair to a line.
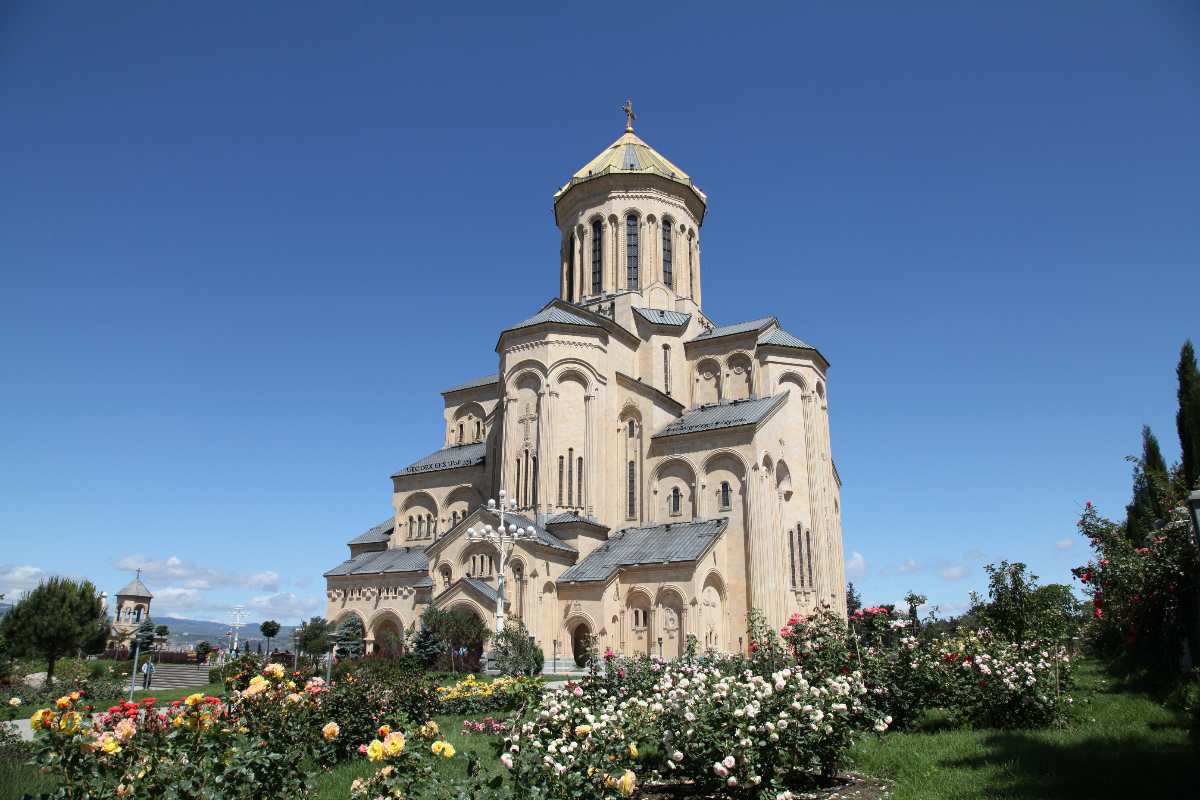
670,473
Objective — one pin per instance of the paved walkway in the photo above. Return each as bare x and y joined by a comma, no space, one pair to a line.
22,726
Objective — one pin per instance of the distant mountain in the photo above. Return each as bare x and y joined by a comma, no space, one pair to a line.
190,632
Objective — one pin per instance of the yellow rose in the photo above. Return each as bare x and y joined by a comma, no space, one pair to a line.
257,679
63,702
448,751
75,697
193,699
16,701
41,719
384,730
633,751
178,720
291,684
437,747
109,745
393,743
626,783
69,721
331,731
375,751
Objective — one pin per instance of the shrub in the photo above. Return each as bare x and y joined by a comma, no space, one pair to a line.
515,653
470,696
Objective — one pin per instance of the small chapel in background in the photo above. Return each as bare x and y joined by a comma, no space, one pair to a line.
133,607
676,472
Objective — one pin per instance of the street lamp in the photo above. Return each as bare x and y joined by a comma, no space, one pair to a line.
333,643
502,538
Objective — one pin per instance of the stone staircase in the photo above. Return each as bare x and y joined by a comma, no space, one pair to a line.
175,676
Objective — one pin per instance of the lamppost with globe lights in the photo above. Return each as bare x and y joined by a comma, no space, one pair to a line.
503,537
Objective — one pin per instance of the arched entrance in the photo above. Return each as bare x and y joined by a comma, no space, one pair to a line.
580,639
387,636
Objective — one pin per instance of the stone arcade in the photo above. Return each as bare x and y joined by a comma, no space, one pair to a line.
677,472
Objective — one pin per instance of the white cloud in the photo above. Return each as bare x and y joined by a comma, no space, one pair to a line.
908,567
954,573
155,571
952,608
300,584
175,601
14,580
977,554
284,604
1065,544
856,567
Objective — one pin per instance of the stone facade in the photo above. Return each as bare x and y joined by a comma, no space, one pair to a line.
677,473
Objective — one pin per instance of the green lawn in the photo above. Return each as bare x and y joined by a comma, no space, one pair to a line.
1123,745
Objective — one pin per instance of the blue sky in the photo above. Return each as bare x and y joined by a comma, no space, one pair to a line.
228,230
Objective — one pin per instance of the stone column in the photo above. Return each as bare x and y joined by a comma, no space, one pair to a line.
502,454
589,461
544,447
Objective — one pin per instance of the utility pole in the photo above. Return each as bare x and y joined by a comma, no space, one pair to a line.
238,614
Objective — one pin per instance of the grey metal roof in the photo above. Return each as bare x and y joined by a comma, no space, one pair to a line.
782,338
483,588
658,544
486,380
722,415
380,533
397,559
571,516
463,455
424,583
659,317
136,589
555,314
729,330
544,536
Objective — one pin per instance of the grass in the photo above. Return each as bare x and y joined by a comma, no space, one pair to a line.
1122,745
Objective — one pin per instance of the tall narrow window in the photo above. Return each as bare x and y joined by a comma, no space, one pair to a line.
632,430
668,267
460,433
432,527
726,496
525,499
412,528
691,270
560,477
631,252
666,369
579,480
517,481
631,489
570,476
571,272
808,556
597,257
535,496
420,527
478,429
792,555
674,501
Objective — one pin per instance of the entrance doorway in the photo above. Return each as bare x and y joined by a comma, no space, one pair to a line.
580,638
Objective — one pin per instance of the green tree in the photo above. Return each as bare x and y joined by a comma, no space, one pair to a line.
350,637
447,629
853,599
314,636
1149,474
60,616
162,630
269,629
515,653
914,601
1008,611
1187,419
203,650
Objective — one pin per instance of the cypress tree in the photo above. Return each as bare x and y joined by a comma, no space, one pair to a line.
1147,506
1187,419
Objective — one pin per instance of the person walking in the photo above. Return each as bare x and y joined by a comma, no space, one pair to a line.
147,673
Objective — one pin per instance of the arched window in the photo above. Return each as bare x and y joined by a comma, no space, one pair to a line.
631,489
535,495
430,525
668,267
675,501
666,369
579,480
412,528
691,270
792,555
453,519
137,617
460,433
571,271
517,488
631,252
726,496
597,256
570,476
632,430
560,480
808,557
420,526
445,577
639,618
478,430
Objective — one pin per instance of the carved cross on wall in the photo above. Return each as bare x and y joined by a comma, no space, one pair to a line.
529,417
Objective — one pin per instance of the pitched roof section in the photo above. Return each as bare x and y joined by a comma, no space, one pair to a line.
380,533
483,588
729,330
658,544
554,313
486,380
660,317
544,536
463,455
630,155
424,583
723,415
136,589
570,517
782,338
397,559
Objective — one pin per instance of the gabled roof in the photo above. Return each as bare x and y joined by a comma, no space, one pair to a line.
659,317
730,330
542,536
553,313
397,559
380,533
486,380
568,517
657,544
630,155
723,415
463,455
136,589
424,583
781,338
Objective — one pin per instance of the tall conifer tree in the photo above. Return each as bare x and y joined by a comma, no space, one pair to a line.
1147,505
1187,420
